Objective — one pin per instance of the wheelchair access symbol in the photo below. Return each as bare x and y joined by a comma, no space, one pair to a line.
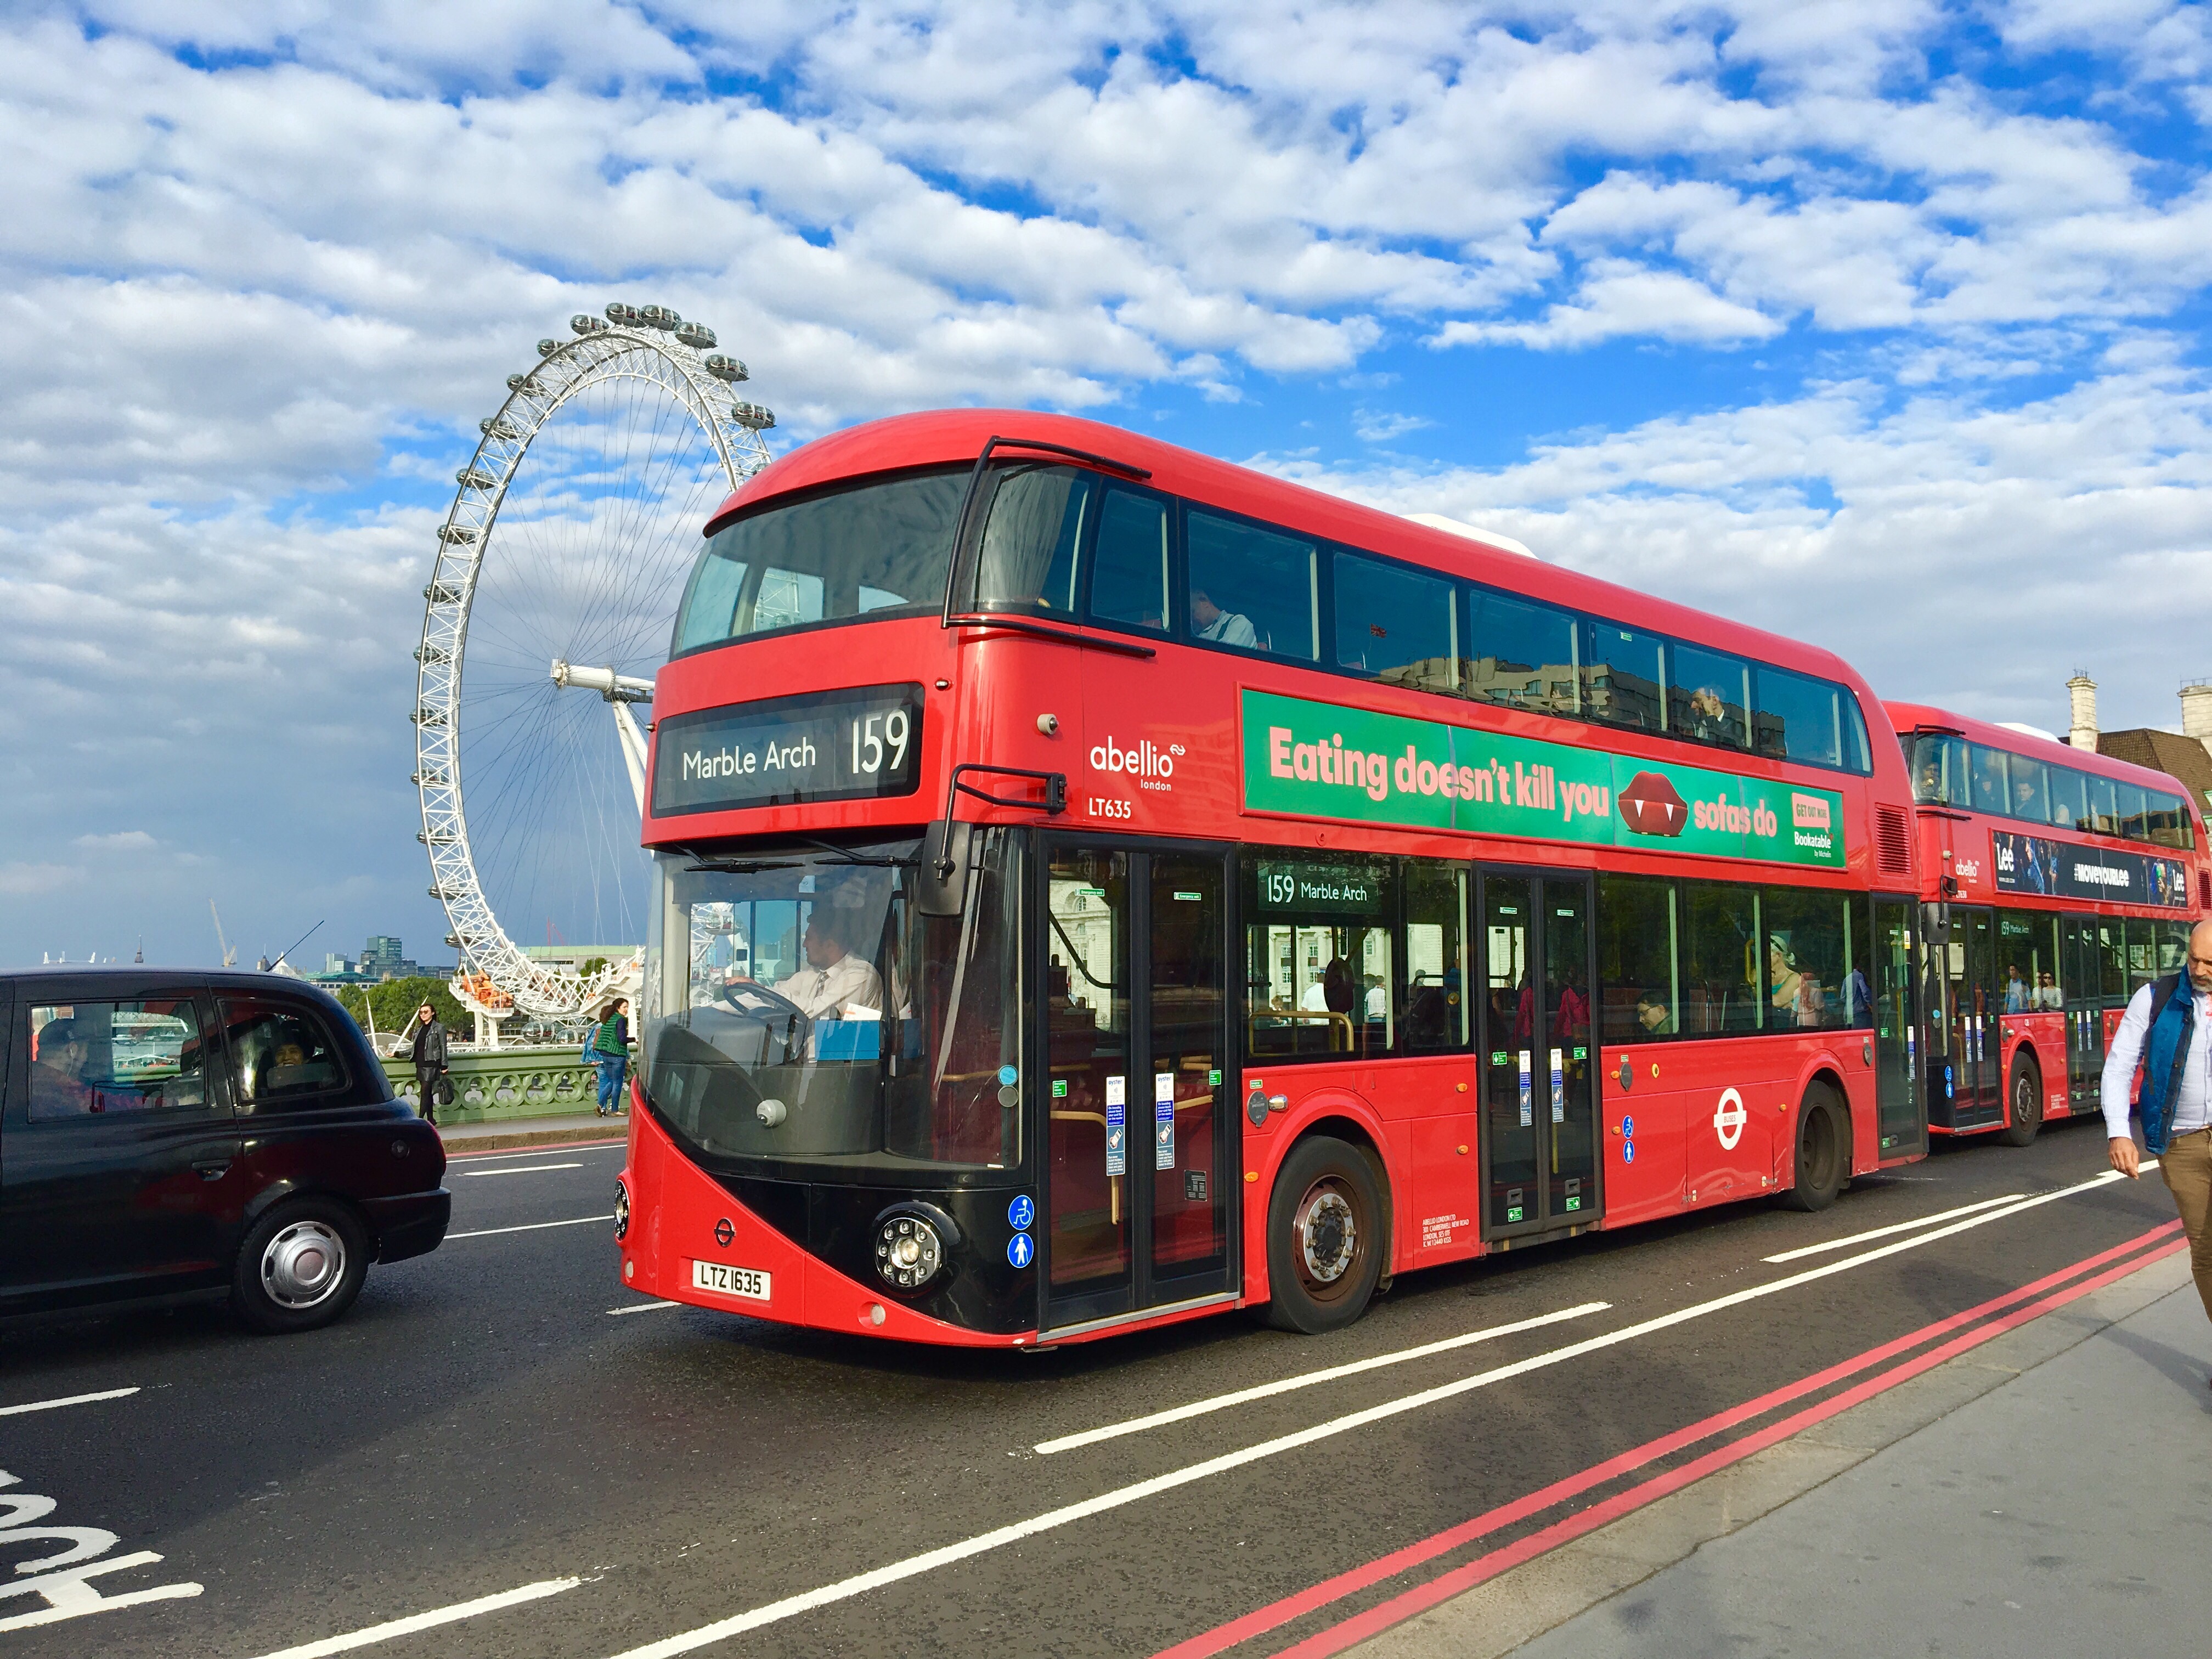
1020,1213
1729,1119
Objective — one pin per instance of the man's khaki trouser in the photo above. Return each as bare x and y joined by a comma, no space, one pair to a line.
2187,1167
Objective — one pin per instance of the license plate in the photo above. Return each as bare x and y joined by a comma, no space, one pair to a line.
726,1280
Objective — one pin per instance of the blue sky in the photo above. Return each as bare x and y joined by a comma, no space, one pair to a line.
1879,324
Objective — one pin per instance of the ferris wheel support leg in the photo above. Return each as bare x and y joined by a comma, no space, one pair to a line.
633,747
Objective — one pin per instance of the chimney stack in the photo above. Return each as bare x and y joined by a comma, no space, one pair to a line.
2083,691
2197,711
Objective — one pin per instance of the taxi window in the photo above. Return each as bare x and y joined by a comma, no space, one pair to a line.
102,1058
281,1052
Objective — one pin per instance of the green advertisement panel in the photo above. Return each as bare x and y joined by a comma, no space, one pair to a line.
1317,760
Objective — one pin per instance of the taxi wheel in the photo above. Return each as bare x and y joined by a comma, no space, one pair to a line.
301,1267
2026,1116
1325,1238
1824,1150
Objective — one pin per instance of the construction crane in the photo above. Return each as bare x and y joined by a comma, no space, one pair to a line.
229,956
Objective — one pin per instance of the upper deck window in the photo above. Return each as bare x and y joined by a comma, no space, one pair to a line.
1623,681
1707,694
1986,773
1520,653
1799,719
1253,588
1129,565
1396,625
1033,530
883,545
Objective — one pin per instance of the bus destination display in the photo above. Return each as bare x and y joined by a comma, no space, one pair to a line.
833,745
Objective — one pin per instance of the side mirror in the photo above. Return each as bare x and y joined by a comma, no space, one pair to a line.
947,849
1934,921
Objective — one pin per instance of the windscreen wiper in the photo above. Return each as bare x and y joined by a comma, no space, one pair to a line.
845,856
737,866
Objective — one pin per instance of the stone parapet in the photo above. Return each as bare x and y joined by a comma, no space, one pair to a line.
495,1085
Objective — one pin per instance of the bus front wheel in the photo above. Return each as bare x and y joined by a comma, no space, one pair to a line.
1325,1237
1824,1150
2026,1116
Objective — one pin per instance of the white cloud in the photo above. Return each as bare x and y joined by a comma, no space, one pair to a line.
122,840
1620,298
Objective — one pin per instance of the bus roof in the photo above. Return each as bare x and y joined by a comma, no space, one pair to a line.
1906,717
955,436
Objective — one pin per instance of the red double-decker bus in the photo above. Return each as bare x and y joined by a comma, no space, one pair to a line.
1097,885
2059,882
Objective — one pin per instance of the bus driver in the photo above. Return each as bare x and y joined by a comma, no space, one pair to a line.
833,982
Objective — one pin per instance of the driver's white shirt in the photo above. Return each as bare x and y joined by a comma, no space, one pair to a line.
848,982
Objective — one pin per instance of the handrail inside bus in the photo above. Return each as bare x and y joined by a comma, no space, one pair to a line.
975,488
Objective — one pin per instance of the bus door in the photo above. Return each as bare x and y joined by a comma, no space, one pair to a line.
1898,1056
1975,1096
1538,1129
2085,1022
1140,1135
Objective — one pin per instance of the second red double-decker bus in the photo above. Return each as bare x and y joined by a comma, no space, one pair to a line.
2058,882
1098,884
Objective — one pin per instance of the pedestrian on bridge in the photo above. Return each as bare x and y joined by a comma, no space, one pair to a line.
610,1053
428,1047
2168,1029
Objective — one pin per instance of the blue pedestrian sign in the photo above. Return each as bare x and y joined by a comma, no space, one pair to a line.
1021,1249
1628,1152
1021,1213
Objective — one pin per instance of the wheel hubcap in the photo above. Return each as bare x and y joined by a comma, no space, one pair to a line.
302,1264
1327,1235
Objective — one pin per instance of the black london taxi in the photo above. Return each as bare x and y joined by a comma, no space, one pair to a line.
169,1134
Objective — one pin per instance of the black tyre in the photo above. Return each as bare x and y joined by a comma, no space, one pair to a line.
1325,1238
2024,1115
301,1267
1824,1150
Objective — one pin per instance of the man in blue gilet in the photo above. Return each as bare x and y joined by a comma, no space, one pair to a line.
2168,1029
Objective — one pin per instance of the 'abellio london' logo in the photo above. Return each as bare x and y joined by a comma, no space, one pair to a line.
1144,760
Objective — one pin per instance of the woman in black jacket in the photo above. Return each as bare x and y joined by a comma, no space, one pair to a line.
429,1048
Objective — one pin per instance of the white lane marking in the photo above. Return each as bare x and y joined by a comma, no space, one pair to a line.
431,1620
531,1227
914,1566
522,1169
66,1400
1306,1380
596,1148
59,1579
1885,1232
643,1306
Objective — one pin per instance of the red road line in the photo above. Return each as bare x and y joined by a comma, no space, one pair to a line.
1263,1619
452,1156
1400,1608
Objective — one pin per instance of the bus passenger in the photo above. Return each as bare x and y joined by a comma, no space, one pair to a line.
2016,1000
1210,622
1653,1016
1928,786
834,980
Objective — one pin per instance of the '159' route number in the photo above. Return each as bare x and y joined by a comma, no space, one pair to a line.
865,739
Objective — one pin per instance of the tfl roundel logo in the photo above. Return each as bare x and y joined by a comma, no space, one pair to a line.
724,1232
1729,1119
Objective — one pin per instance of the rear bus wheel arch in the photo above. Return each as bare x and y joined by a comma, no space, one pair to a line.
1821,1166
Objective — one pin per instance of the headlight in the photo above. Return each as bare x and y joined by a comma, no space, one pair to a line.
908,1251
621,1209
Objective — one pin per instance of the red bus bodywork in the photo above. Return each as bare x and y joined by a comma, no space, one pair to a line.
996,693
2053,1051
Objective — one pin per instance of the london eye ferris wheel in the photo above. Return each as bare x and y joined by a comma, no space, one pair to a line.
560,564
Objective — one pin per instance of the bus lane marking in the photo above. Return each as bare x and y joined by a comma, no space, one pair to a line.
643,1306
1885,1232
522,1169
430,1620
1119,1497
66,1400
531,1227
1309,1379
59,1579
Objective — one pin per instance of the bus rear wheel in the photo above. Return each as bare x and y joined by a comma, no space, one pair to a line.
1325,1235
2025,1115
1824,1150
